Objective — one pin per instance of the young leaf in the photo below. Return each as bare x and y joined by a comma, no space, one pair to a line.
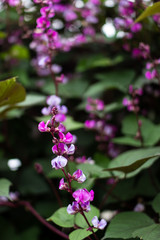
124,224
4,187
149,11
80,234
148,233
11,92
62,218
80,221
156,203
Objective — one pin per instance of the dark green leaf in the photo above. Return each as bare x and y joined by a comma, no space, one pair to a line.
148,233
134,160
156,203
62,218
119,80
124,224
150,131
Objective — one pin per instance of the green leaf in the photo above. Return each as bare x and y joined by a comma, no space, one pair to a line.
119,80
32,99
124,224
97,61
134,161
156,203
80,234
4,187
148,233
19,51
93,171
80,221
11,92
149,11
62,218
129,141
150,131
71,125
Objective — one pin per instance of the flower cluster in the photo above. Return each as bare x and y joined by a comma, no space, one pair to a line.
47,41
126,22
133,104
63,147
105,131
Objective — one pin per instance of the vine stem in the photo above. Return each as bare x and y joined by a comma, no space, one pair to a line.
108,194
81,210
82,213
29,207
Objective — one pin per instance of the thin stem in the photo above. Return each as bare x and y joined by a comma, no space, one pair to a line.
36,214
139,129
53,189
82,213
108,194
68,180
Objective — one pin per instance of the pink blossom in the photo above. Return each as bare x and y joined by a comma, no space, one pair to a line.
43,22
86,206
59,149
82,195
42,127
59,162
60,117
47,11
68,138
136,27
99,224
63,185
79,176
90,123
69,15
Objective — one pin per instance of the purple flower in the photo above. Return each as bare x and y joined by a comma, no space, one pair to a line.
53,100
59,149
69,15
47,11
60,117
79,176
136,27
99,224
74,208
82,195
70,150
43,22
86,206
90,124
59,162
42,127
63,185
139,207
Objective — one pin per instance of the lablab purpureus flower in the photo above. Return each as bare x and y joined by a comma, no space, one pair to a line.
99,224
82,195
79,176
74,208
59,162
